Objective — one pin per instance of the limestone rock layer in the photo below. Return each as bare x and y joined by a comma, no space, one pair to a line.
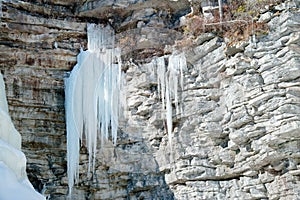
237,136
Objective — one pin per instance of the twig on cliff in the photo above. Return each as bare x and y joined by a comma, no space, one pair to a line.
227,22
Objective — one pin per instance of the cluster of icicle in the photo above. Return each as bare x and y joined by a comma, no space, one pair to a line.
14,183
92,98
169,77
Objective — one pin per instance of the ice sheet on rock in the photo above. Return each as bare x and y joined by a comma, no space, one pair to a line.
92,98
8,133
14,159
13,188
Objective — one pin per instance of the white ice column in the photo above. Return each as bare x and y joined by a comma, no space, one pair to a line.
92,97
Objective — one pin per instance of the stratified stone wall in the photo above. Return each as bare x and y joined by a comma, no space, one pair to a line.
239,135
36,51
237,138
39,43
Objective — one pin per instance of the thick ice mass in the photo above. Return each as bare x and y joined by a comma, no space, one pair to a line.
92,97
14,183
168,81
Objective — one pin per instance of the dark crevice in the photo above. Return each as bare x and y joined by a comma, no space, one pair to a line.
216,178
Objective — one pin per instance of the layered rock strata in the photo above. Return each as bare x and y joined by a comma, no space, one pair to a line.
12,159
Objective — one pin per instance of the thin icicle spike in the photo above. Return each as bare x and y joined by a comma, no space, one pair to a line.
169,82
161,78
0,9
92,98
169,115
3,101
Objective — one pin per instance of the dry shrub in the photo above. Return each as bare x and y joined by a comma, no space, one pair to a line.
184,43
238,23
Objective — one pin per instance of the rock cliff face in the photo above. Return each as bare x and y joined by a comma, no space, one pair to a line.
238,135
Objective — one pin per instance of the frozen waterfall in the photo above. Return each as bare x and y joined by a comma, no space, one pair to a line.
14,183
169,78
92,98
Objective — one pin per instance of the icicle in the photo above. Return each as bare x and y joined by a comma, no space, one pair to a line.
74,130
0,10
168,86
183,67
161,78
169,113
177,64
92,98
3,101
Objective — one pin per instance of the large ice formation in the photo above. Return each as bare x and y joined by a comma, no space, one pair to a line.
169,78
14,183
92,97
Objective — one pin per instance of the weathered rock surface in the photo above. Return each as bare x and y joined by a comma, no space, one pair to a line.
237,138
